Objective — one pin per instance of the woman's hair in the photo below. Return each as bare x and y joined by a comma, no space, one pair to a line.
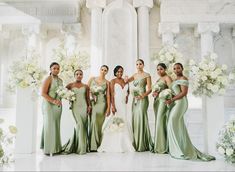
116,69
52,64
105,67
163,65
179,65
142,61
77,71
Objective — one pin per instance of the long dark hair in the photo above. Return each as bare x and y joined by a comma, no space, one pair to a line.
116,69
52,64
163,65
105,67
142,61
80,70
180,64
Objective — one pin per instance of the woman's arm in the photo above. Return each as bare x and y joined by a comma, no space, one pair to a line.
108,98
89,82
184,92
127,80
149,88
168,81
88,99
112,96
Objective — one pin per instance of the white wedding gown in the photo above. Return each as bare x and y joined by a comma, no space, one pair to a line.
120,141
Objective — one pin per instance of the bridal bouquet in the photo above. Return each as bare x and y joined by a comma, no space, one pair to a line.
95,91
166,94
69,63
25,73
66,94
135,92
156,87
208,77
7,138
116,124
226,141
168,55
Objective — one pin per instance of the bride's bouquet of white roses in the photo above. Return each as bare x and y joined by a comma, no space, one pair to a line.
7,138
66,94
208,77
114,124
226,141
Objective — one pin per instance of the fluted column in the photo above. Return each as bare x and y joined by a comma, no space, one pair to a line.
143,7
96,7
168,31
213,117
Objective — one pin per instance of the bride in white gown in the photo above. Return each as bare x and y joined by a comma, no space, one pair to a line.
118,141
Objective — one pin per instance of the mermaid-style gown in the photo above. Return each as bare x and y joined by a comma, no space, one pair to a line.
180,145
141,131
99,107
50,138
79,142
160,111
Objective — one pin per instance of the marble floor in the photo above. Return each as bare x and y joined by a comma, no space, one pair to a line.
144,161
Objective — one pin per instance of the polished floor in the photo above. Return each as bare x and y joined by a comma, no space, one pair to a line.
143,161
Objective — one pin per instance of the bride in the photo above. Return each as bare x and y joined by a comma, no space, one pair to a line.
119,138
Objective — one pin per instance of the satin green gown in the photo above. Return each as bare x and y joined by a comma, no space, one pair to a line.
180,145
141,132
50,138
160,111
98,115
79,142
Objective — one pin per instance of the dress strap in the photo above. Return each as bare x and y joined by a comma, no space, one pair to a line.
182,82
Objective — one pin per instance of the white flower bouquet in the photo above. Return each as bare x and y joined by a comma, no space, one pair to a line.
66,94
7,137
115,124
70,63
168,55
135,92
26,73
156,87
208,78
166,94
95,91
226,141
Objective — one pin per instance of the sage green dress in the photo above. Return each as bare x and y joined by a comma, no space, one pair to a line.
180,145
141,132
160,111
79,142
99,107
50,139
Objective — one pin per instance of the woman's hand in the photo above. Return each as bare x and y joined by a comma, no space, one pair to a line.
126,79
107,113
126,99
155,94
168,102
139,97
57,102
114,110
89,109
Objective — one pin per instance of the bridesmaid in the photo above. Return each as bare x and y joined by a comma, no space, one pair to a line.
51,109
100,91
141,131
80,108
180,145
160,110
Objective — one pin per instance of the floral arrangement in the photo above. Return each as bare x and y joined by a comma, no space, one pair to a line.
156,87
166,94
66,94
226,141
135,92
169,55
7,138
116,124
95,91
70,63
26,73
208,78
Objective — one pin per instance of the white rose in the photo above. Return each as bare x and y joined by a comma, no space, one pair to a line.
225,81
204,78
218,71
233,139
215,88
221,150
212,65
224,67
213,75
229,151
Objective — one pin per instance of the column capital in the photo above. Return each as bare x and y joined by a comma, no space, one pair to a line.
207,27
72,28
96,3
143,3
29,29
168,27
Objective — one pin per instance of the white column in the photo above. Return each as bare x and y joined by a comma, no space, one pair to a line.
168,30
143,7
212,108
27,103
96,34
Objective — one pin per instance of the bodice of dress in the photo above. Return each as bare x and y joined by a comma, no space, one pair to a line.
55,84
175,86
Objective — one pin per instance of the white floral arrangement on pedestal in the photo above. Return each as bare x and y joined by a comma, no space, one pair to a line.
169,55
7,138
70,63
208,77
25,73
226,141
